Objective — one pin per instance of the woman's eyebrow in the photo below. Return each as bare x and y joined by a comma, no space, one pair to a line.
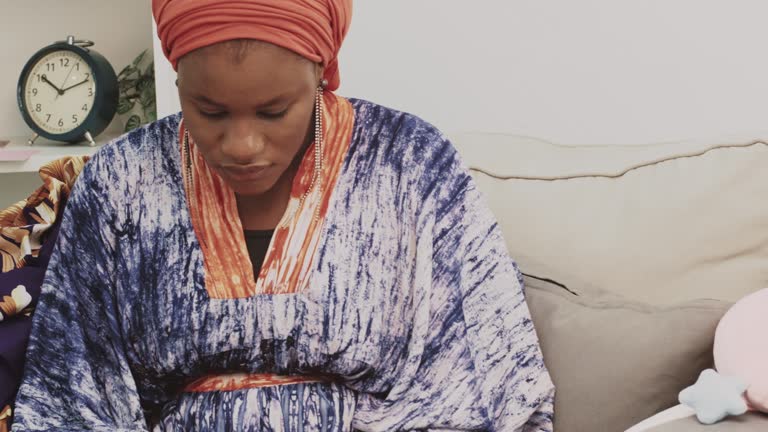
210,102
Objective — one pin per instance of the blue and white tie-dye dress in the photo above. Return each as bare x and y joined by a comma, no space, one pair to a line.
413,317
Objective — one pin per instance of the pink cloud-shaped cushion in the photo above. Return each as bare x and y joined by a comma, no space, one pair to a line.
741,348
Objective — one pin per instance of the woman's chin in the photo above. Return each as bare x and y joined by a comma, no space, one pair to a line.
250,186
250,190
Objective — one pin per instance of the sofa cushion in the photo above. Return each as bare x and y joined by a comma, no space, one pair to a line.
658,223
615,361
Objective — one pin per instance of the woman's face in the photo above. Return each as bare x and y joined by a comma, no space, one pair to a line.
248,107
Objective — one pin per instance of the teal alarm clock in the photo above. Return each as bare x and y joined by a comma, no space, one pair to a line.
67,92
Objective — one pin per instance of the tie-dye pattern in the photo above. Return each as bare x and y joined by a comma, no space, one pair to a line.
414,310
288,408
288,264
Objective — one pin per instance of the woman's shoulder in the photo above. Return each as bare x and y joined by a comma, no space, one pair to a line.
156,138
401,140
124,164
397,132
139,151
372,117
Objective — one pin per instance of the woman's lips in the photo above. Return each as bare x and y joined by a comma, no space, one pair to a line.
245,173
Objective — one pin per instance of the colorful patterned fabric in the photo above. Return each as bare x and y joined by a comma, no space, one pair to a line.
27,234
23,225
412,317
5,418
20,291
215,219
288,408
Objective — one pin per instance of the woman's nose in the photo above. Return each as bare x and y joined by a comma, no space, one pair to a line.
243,143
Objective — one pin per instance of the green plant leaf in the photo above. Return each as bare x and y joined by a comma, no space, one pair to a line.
150,113
125,85
142,83
133,122
147,96
127,71
149,72
139,58
125,105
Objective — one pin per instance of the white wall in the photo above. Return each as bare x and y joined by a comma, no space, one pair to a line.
587,71
596,71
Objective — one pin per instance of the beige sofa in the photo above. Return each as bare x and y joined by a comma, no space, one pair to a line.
632,255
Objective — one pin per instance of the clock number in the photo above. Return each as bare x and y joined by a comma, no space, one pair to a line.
64,62
39,79
61,123
90,91
50,67
38,108
34,91
85,107
74,118
77,66
47,118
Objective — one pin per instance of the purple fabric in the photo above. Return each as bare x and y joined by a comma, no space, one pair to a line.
14,331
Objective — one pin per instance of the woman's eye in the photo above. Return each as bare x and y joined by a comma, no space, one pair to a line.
273,115
213,114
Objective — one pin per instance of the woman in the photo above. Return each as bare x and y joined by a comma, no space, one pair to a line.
278,257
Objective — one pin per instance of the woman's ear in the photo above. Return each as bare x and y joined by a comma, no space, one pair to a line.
319,71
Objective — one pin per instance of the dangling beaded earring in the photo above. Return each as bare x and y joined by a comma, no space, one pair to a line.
319,146
319,141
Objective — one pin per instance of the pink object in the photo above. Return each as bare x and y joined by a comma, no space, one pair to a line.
16,155
741,349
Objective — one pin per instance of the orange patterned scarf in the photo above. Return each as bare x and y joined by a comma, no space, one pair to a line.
313,29
217,225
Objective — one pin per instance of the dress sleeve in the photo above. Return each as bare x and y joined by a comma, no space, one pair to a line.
474,361
76,376
481,319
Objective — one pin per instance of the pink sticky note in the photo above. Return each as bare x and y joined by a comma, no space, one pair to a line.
16,155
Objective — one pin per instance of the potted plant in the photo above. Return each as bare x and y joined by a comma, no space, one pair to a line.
136,84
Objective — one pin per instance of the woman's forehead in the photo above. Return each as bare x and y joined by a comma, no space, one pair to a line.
237,51
261,73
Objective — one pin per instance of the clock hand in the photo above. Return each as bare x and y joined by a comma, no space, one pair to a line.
58,90
65,80
74,85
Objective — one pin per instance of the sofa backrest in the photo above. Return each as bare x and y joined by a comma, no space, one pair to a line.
660,223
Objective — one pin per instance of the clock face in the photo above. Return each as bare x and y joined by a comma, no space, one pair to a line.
59,92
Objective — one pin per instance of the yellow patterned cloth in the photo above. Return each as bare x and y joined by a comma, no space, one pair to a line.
24,224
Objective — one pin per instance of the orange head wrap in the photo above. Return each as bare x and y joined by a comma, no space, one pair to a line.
313,29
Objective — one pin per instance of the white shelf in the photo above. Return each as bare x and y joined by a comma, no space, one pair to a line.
48,151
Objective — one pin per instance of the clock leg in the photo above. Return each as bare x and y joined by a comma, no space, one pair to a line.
33,139
89,138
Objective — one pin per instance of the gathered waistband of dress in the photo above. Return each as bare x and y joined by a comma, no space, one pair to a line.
240,381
